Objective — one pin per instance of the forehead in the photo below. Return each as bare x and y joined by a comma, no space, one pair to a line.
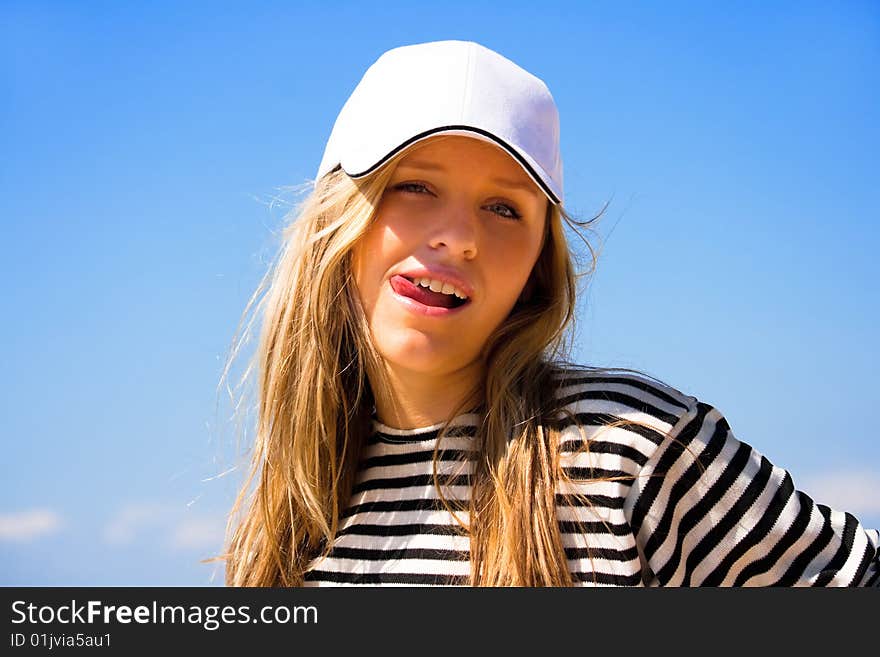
445,153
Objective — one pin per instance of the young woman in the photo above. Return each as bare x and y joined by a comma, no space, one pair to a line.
419,419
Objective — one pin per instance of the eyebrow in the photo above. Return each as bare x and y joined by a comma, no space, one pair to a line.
504,182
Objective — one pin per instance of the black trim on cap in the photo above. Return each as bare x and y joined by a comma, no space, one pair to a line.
503,144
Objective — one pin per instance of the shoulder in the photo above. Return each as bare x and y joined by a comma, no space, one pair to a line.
616,390
625,402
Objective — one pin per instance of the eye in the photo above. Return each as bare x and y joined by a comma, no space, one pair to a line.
412,187
501,209
504,210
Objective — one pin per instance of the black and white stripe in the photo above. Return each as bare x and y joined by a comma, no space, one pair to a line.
687,504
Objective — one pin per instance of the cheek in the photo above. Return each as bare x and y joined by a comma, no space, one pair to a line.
357,262
361,264
390,239
512,262
372,257
396,228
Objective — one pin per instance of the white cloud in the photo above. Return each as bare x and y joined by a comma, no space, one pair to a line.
174,527
133,519
198,532
28,525
855,491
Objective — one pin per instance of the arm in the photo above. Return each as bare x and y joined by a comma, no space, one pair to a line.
708,510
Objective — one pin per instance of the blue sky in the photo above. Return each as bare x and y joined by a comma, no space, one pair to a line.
143,146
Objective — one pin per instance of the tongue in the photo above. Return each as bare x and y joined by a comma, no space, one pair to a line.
431,298
421,294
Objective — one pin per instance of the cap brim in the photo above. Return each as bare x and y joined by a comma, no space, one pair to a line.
356,169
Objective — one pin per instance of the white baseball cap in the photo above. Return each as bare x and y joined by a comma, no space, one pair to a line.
414,92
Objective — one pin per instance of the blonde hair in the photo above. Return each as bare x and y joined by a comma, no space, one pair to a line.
314,403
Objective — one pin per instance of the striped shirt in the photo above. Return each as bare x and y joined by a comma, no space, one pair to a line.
687,503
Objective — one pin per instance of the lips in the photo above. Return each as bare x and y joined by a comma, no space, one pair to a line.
442,273
406,288
424,302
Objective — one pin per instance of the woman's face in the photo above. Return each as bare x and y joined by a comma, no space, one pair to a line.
463,212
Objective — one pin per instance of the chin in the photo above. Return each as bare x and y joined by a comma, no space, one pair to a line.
417,352
423,360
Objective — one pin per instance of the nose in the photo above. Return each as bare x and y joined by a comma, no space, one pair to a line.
456,230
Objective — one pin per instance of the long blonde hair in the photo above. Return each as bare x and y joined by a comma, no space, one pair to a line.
314,402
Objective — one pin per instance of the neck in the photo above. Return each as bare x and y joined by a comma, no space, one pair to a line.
410,399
